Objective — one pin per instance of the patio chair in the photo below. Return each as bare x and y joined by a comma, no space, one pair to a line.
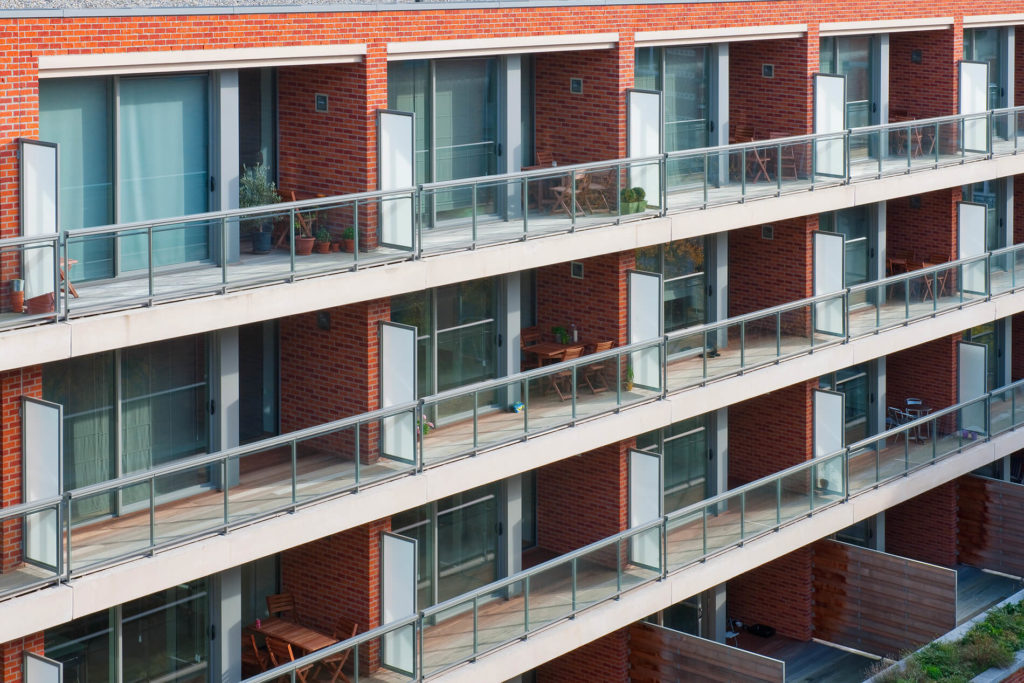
895,417
544,157
564,199
529,336
281,654
282,603
789,160
599,186
594,374
344,629
562,381
254,659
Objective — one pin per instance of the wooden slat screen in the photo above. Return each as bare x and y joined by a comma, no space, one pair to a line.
991,533
879,603
659,655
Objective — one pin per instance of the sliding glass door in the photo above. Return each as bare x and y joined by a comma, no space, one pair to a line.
131,149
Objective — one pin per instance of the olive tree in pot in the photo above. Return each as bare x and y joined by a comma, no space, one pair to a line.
255,188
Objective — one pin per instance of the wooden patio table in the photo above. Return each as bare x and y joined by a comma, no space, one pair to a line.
297,635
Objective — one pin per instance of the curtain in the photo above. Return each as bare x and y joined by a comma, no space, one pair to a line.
163,165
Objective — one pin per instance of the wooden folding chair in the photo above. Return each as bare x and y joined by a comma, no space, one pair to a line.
281,603
253,657
529,336
594,374
343,630
789,160
561,382
281,653
564,199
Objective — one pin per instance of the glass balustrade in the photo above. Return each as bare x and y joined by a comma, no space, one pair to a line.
121,266
31,277
30,536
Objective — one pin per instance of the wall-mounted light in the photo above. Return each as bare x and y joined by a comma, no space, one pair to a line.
320,102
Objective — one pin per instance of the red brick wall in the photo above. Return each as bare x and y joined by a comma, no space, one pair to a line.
926,233
781,104
330,374
337,577
583,499
924,90
765,273
12,656
1018,205
925,528
13,385
605,659
769,433
779,594
1017,347
561,115
927,372
597,304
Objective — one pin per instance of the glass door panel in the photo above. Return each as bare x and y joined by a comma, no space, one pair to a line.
166,636
686,98
467,545
163,165
465,132
75,113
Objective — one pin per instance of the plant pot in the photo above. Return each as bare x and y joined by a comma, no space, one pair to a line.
304,245
335,246
17,301
261,242
322,247
633,207
349,245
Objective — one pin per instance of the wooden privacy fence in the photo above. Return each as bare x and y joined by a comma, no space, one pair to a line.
991,533
879,603
661,655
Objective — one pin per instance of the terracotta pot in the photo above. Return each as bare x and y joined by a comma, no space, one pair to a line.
40,304
350,245
335,246
17,302
304,245
322,247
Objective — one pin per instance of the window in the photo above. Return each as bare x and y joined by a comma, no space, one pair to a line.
991,335
682,264
681,74
850,56
992,194
457,329
463,530
855,225
130,410
163,636
684,449
984,45
132,149
257,121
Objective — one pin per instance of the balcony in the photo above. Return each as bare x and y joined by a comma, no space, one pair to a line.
181,502
468,627
406,225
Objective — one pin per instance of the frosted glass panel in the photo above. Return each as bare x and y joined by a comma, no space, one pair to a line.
163,165
38,213
398,599
398,385
645,506
974,100
396,167
971,224
971,374
645,306
645,126
75,114
42,430
829,430
40,669
829,117
829,252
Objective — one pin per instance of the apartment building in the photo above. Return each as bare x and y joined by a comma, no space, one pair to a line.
628,324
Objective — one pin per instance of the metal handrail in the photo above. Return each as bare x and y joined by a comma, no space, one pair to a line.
754,315
27,240
23,509
909,275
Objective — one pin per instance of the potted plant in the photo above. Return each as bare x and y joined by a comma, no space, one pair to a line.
348,239
628,384
632,200
304,240
255,188
323,241
560,334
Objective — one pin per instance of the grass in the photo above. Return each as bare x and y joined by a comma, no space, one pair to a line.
989,643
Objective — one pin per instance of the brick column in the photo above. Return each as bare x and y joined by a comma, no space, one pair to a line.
12,656
925,232
605,659
771,432
13,385
927,88
583,499
779,594
338,577
597,304
779,104
925,528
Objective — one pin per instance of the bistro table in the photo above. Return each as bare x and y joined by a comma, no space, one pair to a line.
297,635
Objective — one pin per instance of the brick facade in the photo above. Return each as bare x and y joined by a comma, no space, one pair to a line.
597,304
12,656
14,385
927,372
338,577
925,528
776,106
605,659
779,594
925,233
771,432
923,90
765,273
583,499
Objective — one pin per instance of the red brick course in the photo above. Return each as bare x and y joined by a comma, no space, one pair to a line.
605,659
925,528
779,594
771,432
781,104
924,90
927,372
927,233
597,304
12,656
765,273
13,385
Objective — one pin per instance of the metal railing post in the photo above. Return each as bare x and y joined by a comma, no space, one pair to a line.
473,195
149,248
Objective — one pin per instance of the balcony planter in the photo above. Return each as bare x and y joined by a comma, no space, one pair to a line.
304,245
632,200
255,188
